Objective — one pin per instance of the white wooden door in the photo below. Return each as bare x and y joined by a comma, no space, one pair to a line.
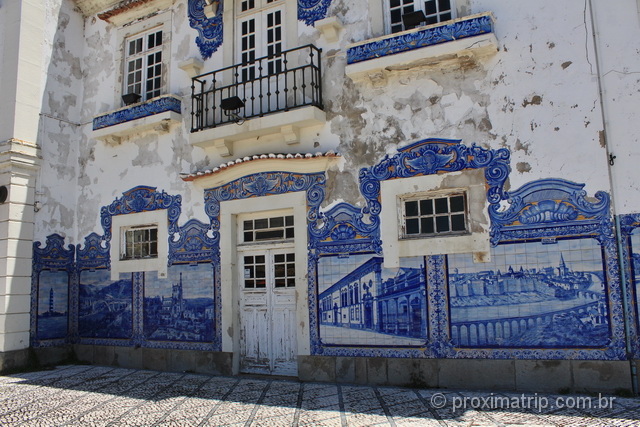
268,312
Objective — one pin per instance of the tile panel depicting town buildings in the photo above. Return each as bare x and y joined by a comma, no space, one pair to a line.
437,193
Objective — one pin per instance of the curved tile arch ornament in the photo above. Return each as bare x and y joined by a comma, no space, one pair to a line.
265,184
53,257
551,207
310,11
209,29
193,244
344,231
431,156
141,199
93,254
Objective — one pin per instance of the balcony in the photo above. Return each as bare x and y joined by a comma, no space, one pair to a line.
460,40
159,114
278,94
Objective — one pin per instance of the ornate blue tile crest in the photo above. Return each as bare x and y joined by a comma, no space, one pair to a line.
310,11
209,29
141,199
138,111
445,32
193,244
550,207
94,254
432,156
343,231
52,274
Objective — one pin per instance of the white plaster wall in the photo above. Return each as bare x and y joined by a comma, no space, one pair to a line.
60,118
618,29
537,96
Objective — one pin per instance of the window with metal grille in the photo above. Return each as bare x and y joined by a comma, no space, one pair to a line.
434,10
143,64
267,229
428,216
140,242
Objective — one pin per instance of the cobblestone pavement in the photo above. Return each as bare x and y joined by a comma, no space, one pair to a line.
104,396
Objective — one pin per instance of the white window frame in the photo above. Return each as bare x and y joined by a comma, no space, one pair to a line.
259,14
418,5
139,51
394,192
161,21
120,224
233,14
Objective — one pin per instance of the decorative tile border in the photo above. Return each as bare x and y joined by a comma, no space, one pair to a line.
310,11
53,257
428,36
138,111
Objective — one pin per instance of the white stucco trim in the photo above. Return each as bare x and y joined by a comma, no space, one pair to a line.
119,223
291,202
477,241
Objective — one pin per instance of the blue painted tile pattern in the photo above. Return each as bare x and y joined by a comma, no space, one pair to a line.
138,111
430,36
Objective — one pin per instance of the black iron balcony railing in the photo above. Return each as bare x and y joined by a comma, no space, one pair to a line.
281,82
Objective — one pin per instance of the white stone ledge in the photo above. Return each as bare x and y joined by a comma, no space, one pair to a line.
475,47
287,124
161,123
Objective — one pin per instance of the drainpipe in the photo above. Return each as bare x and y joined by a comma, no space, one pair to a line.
619,239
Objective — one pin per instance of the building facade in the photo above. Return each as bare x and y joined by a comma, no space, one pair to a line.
437,193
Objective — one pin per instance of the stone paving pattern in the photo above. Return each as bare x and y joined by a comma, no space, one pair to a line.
106,396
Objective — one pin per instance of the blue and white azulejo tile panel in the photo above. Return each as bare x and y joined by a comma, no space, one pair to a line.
181,307
53,304
105,306
362,303
531,295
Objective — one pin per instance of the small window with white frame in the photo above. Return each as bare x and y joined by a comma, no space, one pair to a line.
143,66
433,11
434,215
139,242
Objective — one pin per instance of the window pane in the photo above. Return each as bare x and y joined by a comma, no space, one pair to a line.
430,7
457,222
262,223
444,5
288,220
268,235
276,222
442,224
411,208
442,205
427,225
289,233
457,204
248,236
426,207
278,258
412,226
260,259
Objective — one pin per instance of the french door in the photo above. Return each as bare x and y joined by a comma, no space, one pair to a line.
268,342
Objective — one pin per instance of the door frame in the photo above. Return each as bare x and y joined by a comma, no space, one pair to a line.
295,203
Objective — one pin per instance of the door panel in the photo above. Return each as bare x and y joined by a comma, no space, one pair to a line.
268,342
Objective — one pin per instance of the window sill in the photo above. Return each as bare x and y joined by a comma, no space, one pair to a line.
286,124
458,39
157,114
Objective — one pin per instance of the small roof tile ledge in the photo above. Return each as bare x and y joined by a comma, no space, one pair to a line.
234,169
